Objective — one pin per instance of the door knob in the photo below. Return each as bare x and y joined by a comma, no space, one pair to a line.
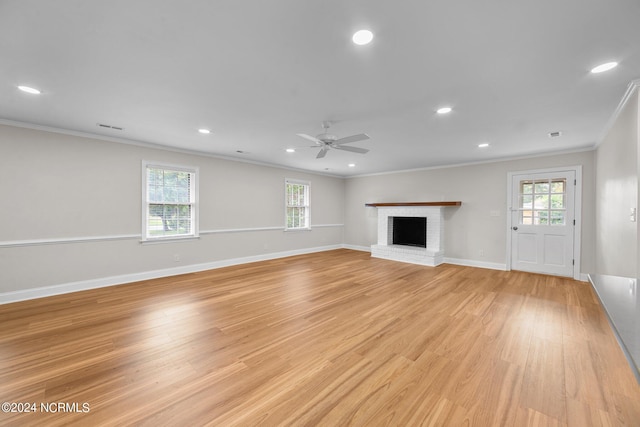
514,228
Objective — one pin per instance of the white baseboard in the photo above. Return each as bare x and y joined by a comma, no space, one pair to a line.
492,266
65,288
455,261
474,263
357,248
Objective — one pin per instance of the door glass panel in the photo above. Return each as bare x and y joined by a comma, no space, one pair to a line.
557,186
542,187
540,217
557,217
542,202
526,202
557,201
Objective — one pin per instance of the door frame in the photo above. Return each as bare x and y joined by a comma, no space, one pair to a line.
577,232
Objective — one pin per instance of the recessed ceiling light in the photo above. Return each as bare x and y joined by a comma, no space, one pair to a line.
291,150
444,110
204,131
352,165
29,89
362,37
604,67
483,145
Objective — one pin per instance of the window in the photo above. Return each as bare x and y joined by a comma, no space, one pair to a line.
297,204
542,202
169,202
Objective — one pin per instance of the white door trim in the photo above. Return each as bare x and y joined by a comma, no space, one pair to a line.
577,212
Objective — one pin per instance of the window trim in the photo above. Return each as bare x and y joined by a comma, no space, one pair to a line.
145,239
288,181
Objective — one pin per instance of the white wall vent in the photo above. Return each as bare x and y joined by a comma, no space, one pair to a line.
102,125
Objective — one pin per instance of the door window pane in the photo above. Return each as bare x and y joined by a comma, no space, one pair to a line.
526,187
557,201
526,202
557,186
541,187
557,217
542,202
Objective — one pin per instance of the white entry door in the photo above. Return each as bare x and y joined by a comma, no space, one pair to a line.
543,222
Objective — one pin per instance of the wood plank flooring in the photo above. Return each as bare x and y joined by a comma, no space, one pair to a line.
329,339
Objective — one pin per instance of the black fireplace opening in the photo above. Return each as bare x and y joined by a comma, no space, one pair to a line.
410,231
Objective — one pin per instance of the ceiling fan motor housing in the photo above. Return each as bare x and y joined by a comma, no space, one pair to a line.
327,137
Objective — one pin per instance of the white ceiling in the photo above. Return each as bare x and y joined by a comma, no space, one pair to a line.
258,72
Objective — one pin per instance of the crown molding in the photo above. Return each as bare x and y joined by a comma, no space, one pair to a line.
628,95
481,162
150,145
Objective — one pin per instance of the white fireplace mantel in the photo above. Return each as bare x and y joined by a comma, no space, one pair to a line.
433,254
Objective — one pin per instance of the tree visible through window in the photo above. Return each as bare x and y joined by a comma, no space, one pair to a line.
297,204
170,196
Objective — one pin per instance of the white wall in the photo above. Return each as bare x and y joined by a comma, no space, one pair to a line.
617,192
56,186
469,229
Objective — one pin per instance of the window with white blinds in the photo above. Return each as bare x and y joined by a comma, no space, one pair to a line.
169,202
297,205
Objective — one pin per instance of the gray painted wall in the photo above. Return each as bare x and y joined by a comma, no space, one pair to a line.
471,232
57,186
617,192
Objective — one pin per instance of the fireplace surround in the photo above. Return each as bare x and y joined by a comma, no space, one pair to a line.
431,255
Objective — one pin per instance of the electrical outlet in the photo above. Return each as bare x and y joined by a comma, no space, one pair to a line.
633,215
176,257
481,253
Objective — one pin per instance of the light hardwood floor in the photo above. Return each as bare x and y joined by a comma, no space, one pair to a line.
334,338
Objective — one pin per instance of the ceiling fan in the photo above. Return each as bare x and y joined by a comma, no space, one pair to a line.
325,141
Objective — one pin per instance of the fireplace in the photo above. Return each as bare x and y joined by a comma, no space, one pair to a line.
424,244
409,231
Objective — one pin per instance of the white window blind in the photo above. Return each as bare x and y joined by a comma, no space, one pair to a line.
297,204
170,196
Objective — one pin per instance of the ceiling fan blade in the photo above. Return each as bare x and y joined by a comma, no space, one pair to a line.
352,149
309,137
352,138
322,153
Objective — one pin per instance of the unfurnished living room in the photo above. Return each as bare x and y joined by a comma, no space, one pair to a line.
336,213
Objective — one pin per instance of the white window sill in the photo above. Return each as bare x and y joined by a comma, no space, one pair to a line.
297,229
